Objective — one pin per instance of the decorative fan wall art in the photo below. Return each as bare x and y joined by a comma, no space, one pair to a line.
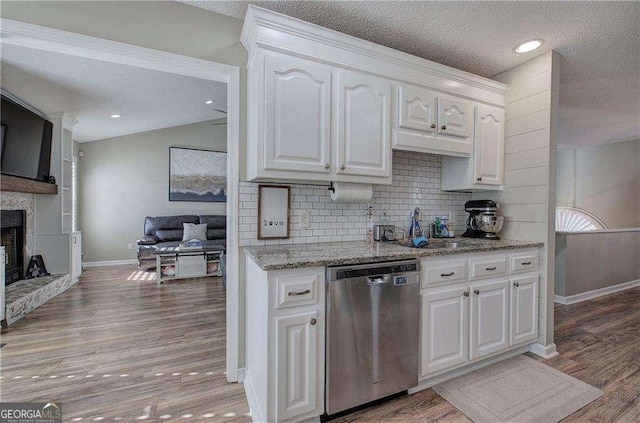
571,219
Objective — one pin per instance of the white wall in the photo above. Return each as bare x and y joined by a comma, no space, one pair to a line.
126,178
528,198
603,180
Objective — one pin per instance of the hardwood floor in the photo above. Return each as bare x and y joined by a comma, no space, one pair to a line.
133,350
116,348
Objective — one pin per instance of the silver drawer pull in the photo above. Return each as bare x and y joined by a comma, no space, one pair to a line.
490,268
526,263
444,275
291,294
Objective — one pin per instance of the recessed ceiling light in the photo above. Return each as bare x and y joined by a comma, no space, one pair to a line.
116,116
208,102
528,46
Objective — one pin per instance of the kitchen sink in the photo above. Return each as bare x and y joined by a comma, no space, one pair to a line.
445,245
437,244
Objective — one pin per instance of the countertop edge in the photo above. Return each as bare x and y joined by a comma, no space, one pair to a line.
412,253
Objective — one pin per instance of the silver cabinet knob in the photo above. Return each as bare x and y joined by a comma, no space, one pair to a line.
343,167
444,127
476,291
466,293
312,321
516,284
327,166
479,178
433,126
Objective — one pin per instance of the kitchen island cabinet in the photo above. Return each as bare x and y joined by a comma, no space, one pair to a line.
478,306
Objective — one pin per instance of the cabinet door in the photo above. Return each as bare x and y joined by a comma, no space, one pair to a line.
524,310
416,109
76,255
489,143
296,373
363,125
444,336
297,108
455,117
489,318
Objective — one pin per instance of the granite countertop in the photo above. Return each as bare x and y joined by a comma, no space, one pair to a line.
291,256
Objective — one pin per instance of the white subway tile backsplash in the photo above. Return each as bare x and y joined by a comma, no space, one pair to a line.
416,183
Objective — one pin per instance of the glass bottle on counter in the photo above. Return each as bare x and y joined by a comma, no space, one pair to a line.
369,226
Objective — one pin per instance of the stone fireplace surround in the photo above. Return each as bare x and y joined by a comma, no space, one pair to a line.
24,296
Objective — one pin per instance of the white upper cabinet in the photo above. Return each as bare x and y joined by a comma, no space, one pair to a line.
488,151
455,118
297,121
363,125
324,106
416,109
485,170
429,122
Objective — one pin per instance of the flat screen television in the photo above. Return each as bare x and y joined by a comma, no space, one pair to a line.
25,142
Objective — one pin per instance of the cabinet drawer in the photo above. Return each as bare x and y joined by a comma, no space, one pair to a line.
296,290
441,272
526,262
487,267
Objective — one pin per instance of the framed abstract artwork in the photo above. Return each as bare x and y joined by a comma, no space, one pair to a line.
197,175
273,212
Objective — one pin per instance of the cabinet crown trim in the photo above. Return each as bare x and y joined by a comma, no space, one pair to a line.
264,28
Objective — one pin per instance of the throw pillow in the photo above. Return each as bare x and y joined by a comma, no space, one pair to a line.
193,231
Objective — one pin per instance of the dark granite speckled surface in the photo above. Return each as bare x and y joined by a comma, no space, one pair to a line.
275,257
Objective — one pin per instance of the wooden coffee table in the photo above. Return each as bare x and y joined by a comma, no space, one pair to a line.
179,263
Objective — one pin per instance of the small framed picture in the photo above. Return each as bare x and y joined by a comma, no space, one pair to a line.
273,212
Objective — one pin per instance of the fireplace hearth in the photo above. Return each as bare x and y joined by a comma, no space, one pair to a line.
12,225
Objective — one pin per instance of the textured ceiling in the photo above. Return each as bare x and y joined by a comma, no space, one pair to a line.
92,90
599,43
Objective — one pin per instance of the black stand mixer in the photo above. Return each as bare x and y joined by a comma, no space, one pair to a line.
483,221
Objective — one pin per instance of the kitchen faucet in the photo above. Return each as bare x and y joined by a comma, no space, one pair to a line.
414,225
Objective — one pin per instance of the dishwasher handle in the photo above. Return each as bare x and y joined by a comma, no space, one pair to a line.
378,280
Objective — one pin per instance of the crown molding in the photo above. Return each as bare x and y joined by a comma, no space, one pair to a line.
273,31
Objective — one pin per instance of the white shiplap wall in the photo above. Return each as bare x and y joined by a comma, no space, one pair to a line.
528,198
416,183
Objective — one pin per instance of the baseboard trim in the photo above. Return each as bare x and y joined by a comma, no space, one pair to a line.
241,375
544,351
257,414
108,263
584,296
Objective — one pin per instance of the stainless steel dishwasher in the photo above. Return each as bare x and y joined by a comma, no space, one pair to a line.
372,332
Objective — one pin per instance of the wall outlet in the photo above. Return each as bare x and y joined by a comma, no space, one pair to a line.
305,218
130,246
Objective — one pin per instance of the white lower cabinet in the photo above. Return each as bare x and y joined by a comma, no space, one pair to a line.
445,329
296,353
524,310
489,318
284,356
465,321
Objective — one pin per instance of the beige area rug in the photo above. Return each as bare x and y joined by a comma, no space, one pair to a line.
517,390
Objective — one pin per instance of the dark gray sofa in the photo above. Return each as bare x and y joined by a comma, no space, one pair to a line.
167,231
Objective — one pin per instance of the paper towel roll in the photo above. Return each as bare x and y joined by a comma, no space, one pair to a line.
346,192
